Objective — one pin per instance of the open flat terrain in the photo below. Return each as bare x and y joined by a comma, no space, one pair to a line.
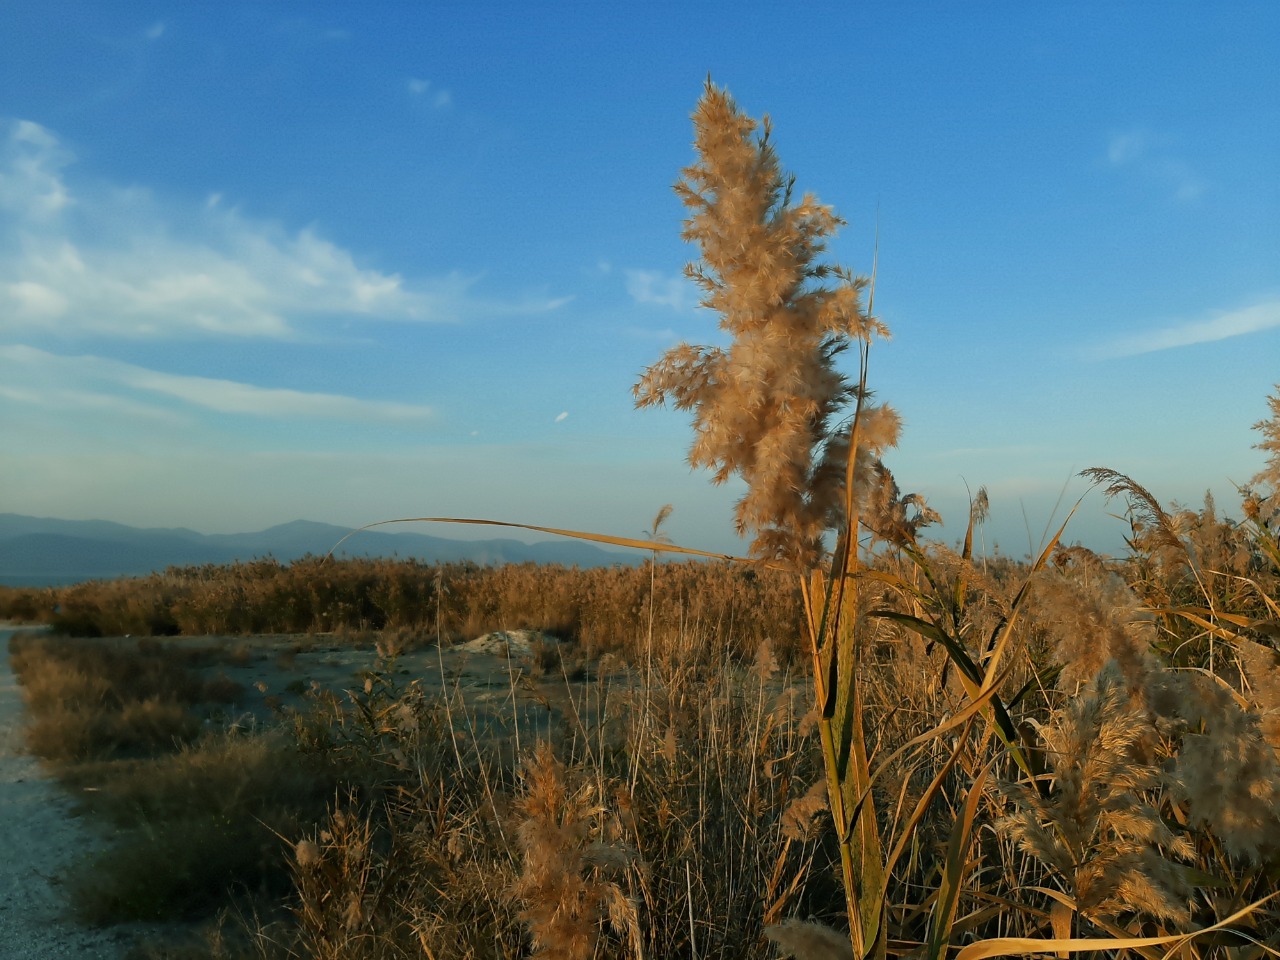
512,683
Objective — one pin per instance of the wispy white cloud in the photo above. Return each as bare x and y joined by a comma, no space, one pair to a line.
115,261
1140,150
43,379
438,98
562,417
155,31
1179,176
1126,147
1233,323
59,399
31,165
674,292
663,335
36,300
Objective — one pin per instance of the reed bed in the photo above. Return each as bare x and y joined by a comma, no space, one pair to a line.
602,609
692,812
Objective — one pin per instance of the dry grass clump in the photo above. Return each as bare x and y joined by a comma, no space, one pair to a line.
95,699
1194,756
193,812
716,767
567,883
1096,828
26,604
343,887
412,854
194,831
1206,578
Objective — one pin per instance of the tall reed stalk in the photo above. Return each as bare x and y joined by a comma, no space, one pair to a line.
767,409
774,409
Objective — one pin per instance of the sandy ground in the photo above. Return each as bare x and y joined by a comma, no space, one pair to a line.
38,835
496,676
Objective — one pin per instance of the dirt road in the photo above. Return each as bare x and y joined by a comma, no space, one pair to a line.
37,837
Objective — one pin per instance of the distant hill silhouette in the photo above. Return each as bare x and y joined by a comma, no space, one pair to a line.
37,551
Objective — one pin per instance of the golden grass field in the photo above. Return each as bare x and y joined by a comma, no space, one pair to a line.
376,793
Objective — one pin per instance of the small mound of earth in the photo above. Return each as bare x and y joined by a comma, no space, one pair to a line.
509,643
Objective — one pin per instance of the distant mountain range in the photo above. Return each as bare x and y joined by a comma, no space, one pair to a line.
36,551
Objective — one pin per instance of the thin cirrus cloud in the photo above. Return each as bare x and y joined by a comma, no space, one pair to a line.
61,399
1140,150
93,258
31,187
40,378
664,290
438,98
1233,323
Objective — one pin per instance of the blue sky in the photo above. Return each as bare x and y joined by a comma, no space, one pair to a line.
263,261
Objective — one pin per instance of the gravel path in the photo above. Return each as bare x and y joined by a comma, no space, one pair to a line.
37,836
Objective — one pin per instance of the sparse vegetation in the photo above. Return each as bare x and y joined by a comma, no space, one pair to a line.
92,701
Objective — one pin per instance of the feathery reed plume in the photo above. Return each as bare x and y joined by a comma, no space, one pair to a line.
307,853
810,941
1092,618
766,408
563,883
894,518
799,815
1151,524
1269,476
1224,769
1095,829
1261,667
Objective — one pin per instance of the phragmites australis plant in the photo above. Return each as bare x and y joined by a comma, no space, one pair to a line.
774,409
769,407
